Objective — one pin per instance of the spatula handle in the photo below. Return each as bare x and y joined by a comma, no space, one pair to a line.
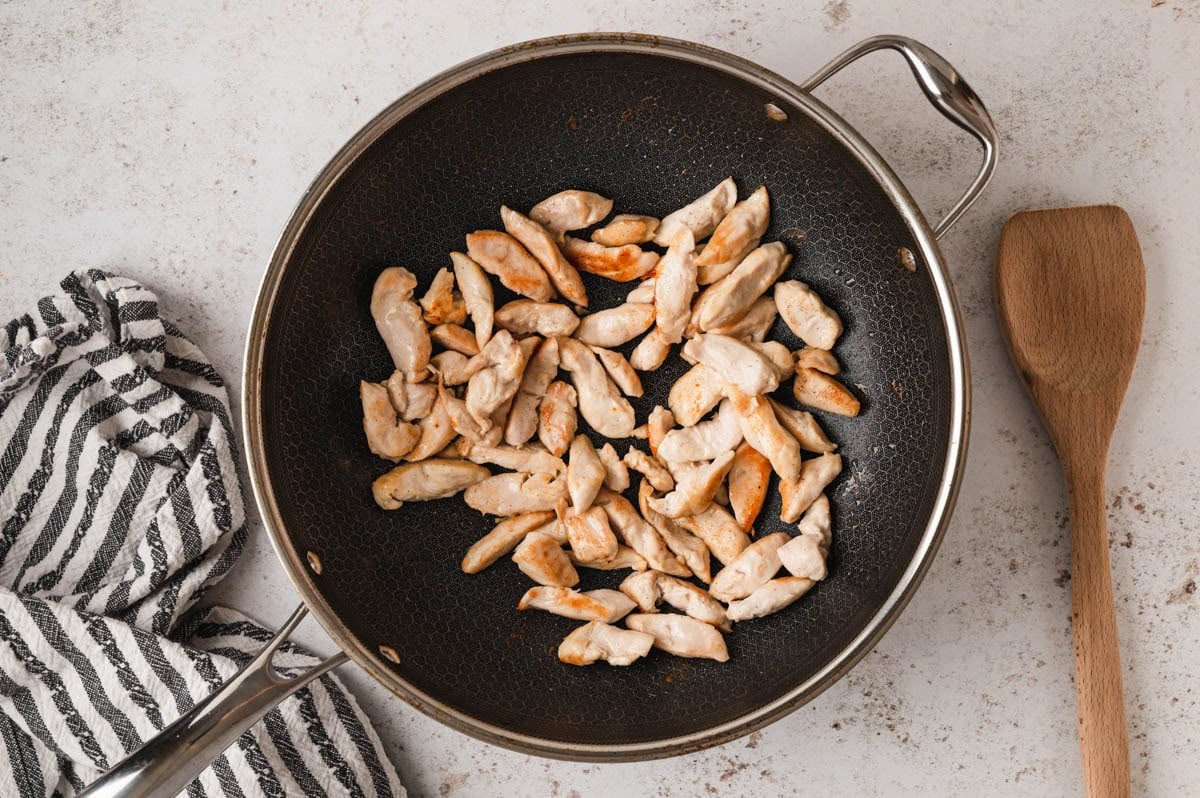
1103,739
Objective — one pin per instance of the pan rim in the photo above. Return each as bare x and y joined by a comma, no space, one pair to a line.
948,485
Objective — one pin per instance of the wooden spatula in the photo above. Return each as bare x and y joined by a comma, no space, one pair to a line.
1071,290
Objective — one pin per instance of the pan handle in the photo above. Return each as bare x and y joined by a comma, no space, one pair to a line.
177,754
948,92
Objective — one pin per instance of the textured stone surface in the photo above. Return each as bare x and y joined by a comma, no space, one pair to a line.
172,148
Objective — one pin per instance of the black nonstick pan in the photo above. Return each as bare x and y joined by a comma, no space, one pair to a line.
651,123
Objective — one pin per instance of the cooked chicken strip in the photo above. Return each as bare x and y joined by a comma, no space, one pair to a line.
516,493
454,368
412,400
600,403
651,351
779,356
692,601
503,538
455,338
597,641
547,319
616,474
431,479
461,419
441,303
705,440
522,421
737,363
750,570
639,535
674,287
541,559
804,428
754,325
619,371
531,460
658,476
387,435
615,326
398,319
659,423
626,228
642,589
585,476
537,239
555,530
643,293
570,210
805,554
771,597
762,430
820,359
730,298
695,393
737,234
681,635
556,418
616,263
498,380
815,389
608,606
624,558
690,550
436,433
816,323
694,489
589,533
716,527
799,494
748,479
502,255
477,295
701,215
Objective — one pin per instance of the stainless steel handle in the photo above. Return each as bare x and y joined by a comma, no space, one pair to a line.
176,755
948,92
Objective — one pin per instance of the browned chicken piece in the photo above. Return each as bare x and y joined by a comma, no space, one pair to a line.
692,601
619,371
516,493
750,570
547,319
817,324
804,428
659,423
477,295
694,489
642,589
705,440
701,215
585,475
455,338
770,597
454,368
762,430
748,479
674,287
436,434
624,558
430,479
556,419
537,239
615,326
626,228
461,419
595,641
498,380
734,361
820,359
815,389
639,535
600,402
589,534
522,421
716,527
615,263
721,497
503,538
730,298
608,606
398,319
690,550
779,356
616,475
412,400
695,393
541,559
651,351
388,435
799,494
555,530
805,554
755,324
643,293
658,476
681,635
503,256
532,459
570,210
737,234
441,303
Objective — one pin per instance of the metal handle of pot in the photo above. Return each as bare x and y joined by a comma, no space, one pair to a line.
169,761
946,90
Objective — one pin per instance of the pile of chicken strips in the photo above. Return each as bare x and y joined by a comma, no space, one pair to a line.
499,415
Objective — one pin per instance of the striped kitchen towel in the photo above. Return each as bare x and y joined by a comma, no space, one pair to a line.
119,506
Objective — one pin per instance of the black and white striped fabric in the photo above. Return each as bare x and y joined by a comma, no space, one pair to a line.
119,506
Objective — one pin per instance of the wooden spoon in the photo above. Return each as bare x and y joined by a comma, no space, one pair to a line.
1071,290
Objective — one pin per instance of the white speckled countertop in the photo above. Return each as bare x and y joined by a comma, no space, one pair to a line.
170,143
